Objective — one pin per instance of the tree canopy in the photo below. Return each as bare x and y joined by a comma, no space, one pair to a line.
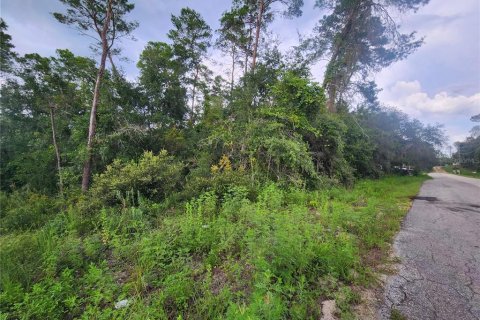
359,37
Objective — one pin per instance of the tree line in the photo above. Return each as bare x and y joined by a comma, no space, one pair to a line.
67,118
468,151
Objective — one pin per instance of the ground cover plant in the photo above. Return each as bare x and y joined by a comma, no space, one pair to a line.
273,255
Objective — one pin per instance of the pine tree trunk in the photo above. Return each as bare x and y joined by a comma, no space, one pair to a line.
332,95
57,149
87,167
197,70
257,33
233,71
114,68
247,50
331,82
246,64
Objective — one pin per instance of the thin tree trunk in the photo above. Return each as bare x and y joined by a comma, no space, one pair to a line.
247,50
332,93
57,150
87,167
114,69
233,71
197,70
257,33
344,33
246,64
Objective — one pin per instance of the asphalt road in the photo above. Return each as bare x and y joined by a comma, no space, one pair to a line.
439,249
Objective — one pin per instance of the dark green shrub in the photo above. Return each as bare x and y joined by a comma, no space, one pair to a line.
153,176
220,183
23,210
50,298
20,259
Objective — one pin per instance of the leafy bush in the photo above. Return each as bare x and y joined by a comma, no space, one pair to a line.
265,150
23,210
20,265
220,182
119,226
328,148
154,176
59,297
49,299
298,95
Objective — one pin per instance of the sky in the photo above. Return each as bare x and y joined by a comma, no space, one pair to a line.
439,83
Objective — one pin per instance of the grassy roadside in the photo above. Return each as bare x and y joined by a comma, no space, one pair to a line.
275,255
463,172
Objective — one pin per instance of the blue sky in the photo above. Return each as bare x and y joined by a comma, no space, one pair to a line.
440,82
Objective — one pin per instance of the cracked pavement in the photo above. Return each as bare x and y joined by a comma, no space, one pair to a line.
439,248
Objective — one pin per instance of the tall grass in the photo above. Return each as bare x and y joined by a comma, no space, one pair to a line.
220,256
463,171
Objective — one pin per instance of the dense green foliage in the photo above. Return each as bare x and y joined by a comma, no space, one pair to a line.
232,255
246,200
468,151
461,171
358,37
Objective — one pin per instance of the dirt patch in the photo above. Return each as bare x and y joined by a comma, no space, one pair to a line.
373,257
219,279
328,310
439,169
383,264
360,203
368,308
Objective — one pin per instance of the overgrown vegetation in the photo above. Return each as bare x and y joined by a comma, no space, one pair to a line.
467,157
462,171
235,255
185,196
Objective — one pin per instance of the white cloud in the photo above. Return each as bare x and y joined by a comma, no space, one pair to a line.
450,53
409,96
454,111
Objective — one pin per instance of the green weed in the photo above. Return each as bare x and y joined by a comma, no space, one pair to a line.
224,256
